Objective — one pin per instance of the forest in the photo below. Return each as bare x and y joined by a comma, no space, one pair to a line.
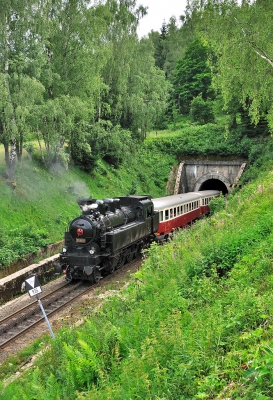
77,85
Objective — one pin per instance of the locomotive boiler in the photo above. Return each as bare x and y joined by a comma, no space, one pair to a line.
109,233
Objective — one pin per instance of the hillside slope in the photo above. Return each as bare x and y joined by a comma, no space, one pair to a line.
35,213
195,323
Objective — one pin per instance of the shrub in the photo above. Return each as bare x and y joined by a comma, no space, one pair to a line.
217,204
201,111
21,241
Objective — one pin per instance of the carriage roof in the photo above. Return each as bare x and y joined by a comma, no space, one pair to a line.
176,200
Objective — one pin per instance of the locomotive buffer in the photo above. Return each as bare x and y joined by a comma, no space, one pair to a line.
34,288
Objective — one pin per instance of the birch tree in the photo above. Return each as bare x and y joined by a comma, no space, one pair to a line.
75,52
18,90
241,36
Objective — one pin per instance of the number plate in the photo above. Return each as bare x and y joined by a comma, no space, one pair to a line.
35,291
81,240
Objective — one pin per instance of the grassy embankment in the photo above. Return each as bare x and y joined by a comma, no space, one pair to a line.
36,213
195,323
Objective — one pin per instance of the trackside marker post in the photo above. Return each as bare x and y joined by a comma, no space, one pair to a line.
34,288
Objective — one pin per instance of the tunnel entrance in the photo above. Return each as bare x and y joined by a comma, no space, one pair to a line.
214,184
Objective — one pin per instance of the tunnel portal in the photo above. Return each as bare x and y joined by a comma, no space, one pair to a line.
214,184
192,176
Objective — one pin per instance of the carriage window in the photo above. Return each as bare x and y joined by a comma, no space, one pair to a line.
178,210
166,214
190,207
161,216
171,213
181,209
174,212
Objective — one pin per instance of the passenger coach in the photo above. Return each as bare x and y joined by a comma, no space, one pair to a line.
179,210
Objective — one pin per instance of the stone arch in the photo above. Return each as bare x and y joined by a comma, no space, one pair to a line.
212,176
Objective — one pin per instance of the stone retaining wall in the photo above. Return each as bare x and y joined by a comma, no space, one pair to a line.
14,284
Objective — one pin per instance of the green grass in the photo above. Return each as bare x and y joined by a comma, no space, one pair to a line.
37,212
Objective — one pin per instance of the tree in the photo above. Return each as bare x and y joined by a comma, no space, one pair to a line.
67,67
240,35
75,53
149,92
193,75
159,45
201,111
19,92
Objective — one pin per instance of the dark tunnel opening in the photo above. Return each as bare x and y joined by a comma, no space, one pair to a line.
214,184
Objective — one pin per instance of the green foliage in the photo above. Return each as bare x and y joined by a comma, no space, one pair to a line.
112,144
217,204
11,365
67,68
260,159
20,242
202,140
193,76
82,155
239,35
201,111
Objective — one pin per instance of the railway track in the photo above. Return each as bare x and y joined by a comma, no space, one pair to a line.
21,321
28,317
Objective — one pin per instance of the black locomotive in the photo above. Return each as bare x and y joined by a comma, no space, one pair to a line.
109,233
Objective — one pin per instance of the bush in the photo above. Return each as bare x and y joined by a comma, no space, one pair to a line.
21,241
112,144
217,204
82,155
201,111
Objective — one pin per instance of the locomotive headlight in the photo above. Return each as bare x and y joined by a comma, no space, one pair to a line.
92,251
64,249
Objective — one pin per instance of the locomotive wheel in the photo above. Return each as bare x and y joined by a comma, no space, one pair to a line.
96,276
122,260
68,276
138,250
130,255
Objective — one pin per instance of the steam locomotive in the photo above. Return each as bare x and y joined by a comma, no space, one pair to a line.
111,232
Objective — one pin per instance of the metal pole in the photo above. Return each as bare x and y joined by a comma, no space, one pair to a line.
44,314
